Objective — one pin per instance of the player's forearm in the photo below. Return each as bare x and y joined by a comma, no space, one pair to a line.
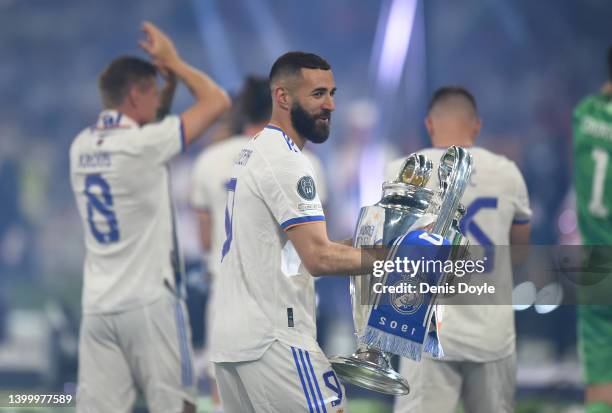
205,225
201,86
339,259
211,100
520,235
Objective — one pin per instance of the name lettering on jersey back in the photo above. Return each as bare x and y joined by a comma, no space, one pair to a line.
597,128
94,160
243,157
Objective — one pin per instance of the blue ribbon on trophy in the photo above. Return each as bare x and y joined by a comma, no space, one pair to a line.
403,322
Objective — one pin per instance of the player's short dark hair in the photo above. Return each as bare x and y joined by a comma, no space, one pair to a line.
447,92
254,103
610,63
120,75
291,64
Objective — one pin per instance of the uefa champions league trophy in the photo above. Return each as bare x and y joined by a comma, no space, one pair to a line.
405,205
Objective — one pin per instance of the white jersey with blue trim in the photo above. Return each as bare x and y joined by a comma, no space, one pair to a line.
496,198
265,292
119,177
211,172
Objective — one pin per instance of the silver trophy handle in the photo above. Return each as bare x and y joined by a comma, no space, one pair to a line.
454,175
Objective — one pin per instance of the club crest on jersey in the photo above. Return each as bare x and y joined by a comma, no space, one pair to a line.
306,188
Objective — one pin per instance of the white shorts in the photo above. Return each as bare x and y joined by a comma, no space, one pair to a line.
285,379
147,348
438,386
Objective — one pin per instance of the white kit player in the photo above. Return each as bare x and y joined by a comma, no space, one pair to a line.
263,341
134,332
479,367
213,170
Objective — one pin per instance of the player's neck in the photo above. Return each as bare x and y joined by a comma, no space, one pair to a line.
447,142
126,110
289,130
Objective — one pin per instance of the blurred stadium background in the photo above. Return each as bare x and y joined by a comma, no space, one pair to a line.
527,63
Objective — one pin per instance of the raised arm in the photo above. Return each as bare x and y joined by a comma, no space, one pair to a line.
210,99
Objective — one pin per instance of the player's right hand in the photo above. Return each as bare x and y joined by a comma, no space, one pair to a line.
158,45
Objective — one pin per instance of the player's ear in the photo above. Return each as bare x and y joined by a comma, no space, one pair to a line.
429,125
281,97
477,126
132,97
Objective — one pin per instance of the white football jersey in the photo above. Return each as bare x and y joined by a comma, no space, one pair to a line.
265,291
119,177
211,174
496,198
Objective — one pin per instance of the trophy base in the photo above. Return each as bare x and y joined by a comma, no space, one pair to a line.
377,376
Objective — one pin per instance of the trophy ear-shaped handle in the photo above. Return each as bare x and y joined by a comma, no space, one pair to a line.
407,170
454,175
448,164
416,170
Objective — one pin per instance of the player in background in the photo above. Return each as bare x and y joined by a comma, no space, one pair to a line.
479,367
134,332
593,183
213,171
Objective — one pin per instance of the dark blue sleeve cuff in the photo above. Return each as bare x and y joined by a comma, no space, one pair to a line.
521,221
302,220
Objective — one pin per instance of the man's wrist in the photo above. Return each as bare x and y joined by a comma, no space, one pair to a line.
174,64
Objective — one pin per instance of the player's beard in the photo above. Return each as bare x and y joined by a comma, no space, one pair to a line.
307,126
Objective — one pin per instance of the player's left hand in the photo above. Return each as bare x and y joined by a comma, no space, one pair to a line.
158,45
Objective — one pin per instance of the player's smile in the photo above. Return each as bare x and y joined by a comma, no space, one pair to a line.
324,118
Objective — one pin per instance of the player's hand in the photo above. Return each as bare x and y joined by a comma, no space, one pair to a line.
159,46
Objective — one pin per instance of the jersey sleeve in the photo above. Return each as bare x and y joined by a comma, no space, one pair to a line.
522,211
160,141
319,177
290,191
199,195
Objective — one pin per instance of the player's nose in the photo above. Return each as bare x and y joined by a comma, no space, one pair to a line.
329,103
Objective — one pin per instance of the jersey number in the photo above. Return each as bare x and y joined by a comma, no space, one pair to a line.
596,206
100,200
229,212
332,383
468,225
